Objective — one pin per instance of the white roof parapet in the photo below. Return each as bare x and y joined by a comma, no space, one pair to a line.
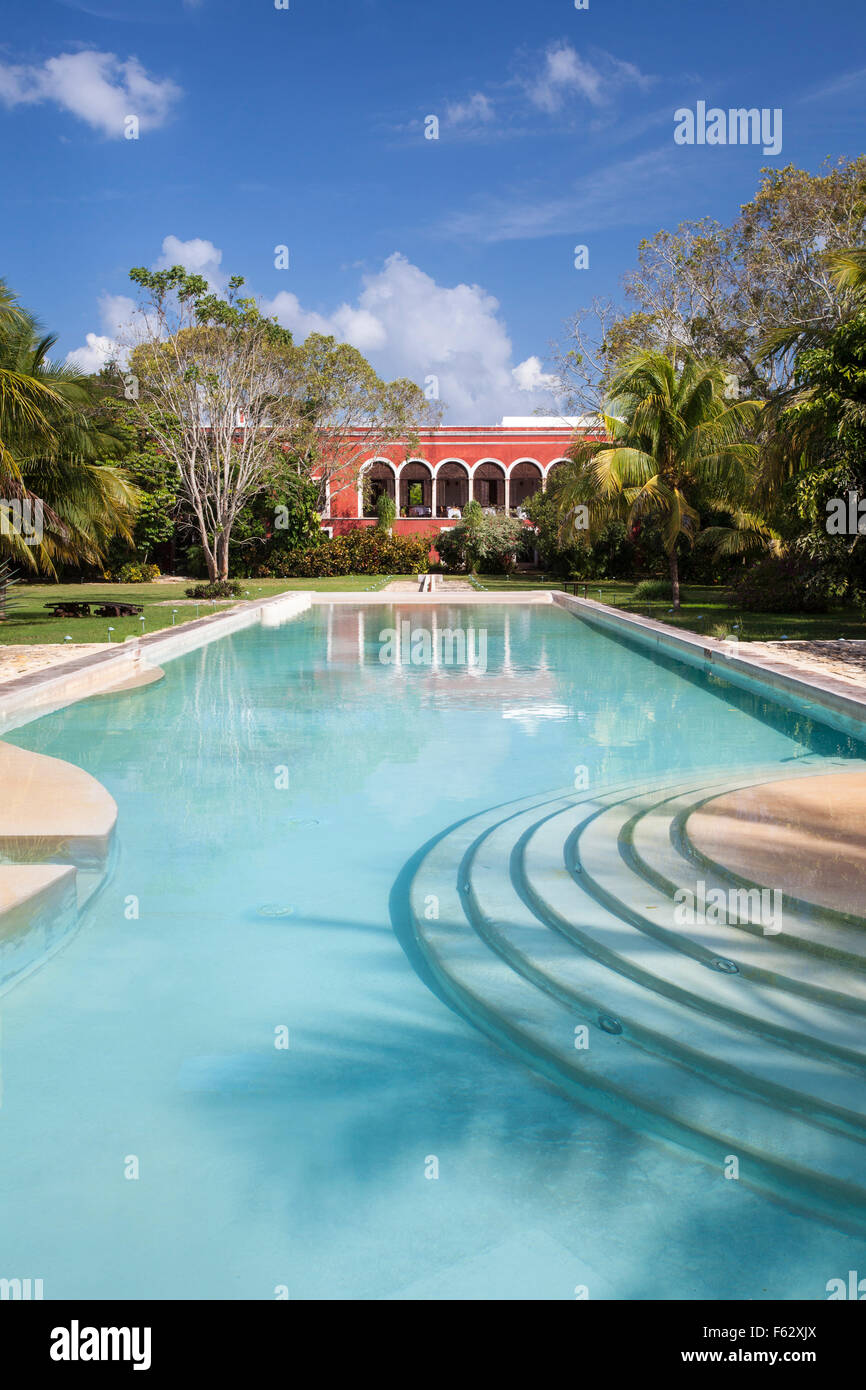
546,422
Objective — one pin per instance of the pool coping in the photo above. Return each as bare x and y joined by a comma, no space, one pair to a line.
832,700
29,696
36,693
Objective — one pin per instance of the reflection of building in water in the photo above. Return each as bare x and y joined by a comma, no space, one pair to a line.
472,648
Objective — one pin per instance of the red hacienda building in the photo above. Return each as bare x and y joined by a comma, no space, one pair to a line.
498,465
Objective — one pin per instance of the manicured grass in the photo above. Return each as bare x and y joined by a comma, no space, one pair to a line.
30,622
706,611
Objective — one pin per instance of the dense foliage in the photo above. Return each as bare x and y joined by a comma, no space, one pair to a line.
483,541
217,588
367,550
786,584
62,503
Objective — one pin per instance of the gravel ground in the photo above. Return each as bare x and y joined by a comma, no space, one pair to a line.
20,661
840,659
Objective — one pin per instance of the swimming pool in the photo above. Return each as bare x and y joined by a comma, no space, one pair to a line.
275,791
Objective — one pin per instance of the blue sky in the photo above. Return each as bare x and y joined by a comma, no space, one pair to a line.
305,127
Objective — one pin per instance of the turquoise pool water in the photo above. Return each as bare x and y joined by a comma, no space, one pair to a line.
290,769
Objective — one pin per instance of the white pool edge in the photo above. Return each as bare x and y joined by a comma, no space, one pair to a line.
31,696
832,701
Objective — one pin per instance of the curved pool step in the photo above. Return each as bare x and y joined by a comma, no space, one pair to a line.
656,844
618,878
490,887
634,945
56,834
815,843
694,1069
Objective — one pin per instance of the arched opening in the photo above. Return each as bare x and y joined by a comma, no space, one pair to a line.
526,480
376,479
452,489
554,471
415,485
488,486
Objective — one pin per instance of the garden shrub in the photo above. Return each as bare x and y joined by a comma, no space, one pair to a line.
133,573
386,511
366,550
785,584
217,588
481,540
657,588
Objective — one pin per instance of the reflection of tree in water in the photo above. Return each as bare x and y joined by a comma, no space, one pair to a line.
378,1106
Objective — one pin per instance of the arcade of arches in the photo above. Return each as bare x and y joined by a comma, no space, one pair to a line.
420,491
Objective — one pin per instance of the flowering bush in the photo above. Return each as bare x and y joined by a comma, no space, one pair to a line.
133,574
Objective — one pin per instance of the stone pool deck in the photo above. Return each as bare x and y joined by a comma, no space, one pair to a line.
18,661
839,660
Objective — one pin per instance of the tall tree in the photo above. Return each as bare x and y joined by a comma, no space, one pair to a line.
237,405
671,432
723,292
213,380
62,502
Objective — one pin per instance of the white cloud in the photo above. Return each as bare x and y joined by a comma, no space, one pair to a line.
117,314
413,327
529,376
98,350
477,108
197,256
98,88
407,324
566,74
356,326
617,195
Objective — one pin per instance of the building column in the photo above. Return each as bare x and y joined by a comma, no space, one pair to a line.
470,496
508,494
433,494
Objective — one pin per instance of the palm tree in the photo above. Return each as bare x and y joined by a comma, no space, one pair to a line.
52,454
849,269
671,432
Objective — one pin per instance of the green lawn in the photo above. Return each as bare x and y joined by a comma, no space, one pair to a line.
706,611
703,611
30,623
